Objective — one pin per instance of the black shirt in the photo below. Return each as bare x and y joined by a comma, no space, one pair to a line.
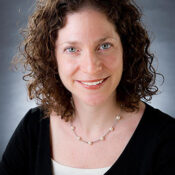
150,151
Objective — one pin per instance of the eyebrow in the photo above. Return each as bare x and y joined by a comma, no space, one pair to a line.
98,41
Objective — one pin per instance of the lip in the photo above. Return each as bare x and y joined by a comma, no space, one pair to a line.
93,87
92,80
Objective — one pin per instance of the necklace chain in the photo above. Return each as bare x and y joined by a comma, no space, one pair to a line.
112,128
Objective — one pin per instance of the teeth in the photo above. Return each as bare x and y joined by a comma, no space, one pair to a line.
92,83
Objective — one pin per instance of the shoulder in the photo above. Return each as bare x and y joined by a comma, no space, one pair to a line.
35,114
33,120
158,120
29,129
161,129
158,115
23,146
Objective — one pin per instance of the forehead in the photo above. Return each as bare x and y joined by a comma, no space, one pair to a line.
86,24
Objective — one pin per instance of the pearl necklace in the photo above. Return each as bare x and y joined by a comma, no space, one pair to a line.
97,140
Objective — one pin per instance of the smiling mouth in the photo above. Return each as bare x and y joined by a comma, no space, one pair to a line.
93,84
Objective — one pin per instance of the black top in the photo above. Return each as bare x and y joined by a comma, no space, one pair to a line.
150,151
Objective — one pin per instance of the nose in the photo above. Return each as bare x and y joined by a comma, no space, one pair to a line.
90,63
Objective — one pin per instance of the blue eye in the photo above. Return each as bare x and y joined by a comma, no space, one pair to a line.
105,46
71,49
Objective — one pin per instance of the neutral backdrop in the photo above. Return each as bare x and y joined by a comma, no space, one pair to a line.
159,18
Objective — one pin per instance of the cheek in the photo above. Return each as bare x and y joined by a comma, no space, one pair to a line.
113,62
65,67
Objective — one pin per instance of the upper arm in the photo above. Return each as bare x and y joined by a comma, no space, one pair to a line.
165,162
17,155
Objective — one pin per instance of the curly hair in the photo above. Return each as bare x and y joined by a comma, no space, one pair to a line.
38,54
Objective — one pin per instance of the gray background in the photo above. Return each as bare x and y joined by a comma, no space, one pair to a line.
159,17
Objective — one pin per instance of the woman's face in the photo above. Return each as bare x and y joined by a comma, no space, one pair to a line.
89,56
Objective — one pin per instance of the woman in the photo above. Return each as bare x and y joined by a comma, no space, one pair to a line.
89,67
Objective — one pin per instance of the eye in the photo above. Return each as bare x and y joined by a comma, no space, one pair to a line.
70,49
105,46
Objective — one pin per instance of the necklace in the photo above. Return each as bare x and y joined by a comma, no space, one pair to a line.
99,139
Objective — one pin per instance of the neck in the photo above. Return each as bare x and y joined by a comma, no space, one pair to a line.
92,121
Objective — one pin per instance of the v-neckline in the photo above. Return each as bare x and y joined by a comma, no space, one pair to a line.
139,126
131,140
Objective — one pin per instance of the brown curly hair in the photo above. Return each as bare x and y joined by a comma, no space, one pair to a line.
38,55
